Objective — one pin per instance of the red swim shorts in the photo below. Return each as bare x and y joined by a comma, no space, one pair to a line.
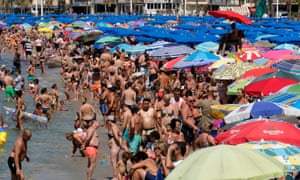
91,152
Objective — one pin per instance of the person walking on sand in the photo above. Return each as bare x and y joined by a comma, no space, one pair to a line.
90,146
18,154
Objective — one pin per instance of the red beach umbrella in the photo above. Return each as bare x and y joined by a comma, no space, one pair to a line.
268,86
231,15
257,72
262,129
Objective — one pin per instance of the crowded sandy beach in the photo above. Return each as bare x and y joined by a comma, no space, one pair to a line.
149,97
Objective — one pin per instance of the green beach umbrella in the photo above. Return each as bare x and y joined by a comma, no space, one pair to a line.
108,39
285,153
227,162
233,88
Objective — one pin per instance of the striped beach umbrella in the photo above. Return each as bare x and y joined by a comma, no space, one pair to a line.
285,153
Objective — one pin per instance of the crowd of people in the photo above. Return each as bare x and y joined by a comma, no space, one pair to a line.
154,118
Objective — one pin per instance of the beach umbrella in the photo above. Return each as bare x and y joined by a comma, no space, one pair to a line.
74,35
25,26
285,153
295,89
172,51
121,46
257,72
170,64
231,15
256,130
221,62
260,109
249,55
277,74
233,71
108,39
89,36
198,56
276,54
287,46
208,46
137,49
227,162
284,98
219,111
157,45
238,84
268,86
291,66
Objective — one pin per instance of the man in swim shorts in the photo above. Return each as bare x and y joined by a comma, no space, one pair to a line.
90,146
9,90
18,154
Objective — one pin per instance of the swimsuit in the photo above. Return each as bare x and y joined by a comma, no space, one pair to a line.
45,110
12,165
30,77
150,176
91,151
9,92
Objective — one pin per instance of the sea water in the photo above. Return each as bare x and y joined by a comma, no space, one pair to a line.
48,149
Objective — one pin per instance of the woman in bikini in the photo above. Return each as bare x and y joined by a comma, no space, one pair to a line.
87,114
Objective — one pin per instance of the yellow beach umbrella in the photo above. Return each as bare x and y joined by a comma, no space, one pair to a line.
221,62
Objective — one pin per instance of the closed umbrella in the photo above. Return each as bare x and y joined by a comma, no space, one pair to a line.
227,162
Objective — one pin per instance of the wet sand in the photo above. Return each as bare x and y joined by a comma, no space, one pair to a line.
48,149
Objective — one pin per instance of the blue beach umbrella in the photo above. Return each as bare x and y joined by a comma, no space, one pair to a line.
198,56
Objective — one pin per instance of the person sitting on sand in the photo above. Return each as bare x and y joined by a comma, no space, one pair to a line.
122,166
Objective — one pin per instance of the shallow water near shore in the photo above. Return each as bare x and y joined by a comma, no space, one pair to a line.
48,149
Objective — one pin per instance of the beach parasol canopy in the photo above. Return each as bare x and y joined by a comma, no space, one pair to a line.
233,71
172,51
295,89
277,54
208,46
108,39
277,74
285,153
257,72
238,84
260,109
291,66
170,64
268,86
89,36
227,162
261,129
249,55
219,111
221,62
231,15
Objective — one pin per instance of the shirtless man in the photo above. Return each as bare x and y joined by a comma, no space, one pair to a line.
163,79
111,102
9,90
18,154
129,95
189,127
87,114
21,106
90,145
45,100
149,119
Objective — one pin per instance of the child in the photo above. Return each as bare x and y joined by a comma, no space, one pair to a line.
38,109
122,166
61,106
